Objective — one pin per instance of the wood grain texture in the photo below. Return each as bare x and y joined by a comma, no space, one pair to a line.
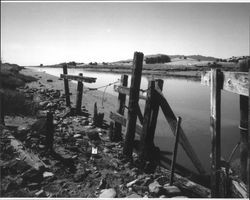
235,82
79,78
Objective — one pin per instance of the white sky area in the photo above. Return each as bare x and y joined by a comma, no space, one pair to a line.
50,33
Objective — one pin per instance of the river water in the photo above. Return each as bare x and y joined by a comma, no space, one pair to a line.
188,99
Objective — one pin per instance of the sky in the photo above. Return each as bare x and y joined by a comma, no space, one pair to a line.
34,33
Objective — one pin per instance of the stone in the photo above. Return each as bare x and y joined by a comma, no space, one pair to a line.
134,196
47,174
80,175
154,187
77,135
108,193
171,190
130,184
93,135
41,193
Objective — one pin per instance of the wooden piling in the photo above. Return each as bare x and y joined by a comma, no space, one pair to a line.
1,100
215,128
50,131
248,177
146,143
66,85
79,96
155,109
243,128
177,133
133,101
120,110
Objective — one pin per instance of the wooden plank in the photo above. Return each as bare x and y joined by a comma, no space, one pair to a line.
215,129
239,189
79,78
79,96
126,91
146,144
132,105
66,86
235,82
243,128
139,114
172,120
120,110
177,133
123,121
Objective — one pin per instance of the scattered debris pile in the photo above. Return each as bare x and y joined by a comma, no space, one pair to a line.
82,163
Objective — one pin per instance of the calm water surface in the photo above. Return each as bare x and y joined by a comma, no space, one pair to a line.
188,99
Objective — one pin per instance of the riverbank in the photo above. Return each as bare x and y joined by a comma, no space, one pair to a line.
75,170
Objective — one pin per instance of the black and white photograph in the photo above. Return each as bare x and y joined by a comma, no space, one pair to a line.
124,99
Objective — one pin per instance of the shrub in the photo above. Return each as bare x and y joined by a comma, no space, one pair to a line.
158,59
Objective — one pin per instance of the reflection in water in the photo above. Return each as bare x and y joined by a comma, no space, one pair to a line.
188,99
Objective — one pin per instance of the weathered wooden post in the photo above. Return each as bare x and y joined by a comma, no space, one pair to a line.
133,102
121,106
248,177
177,133
50,131
243,128
155,109
146,143
66,85
1,99
79,96
215,128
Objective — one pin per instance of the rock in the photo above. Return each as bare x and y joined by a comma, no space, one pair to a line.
162,196
171,190
77,135
154,187
108,193
93,135
49,80
47,174
130,184
41,193
80,175
134,196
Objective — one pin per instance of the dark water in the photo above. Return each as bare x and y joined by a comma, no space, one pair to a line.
190,100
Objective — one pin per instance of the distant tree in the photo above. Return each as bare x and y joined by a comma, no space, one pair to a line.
72,63
158,59
185,57
41,65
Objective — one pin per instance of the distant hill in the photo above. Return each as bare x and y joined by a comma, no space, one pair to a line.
175,57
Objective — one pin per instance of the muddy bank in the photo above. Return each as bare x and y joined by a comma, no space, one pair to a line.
83,162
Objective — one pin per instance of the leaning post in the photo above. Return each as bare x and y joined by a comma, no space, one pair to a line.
120,110
133,103
79,96
66,85
215,128
243,128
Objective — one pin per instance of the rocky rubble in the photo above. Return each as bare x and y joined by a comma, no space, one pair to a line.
84,163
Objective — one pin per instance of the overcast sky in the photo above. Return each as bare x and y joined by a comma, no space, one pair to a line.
49,33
